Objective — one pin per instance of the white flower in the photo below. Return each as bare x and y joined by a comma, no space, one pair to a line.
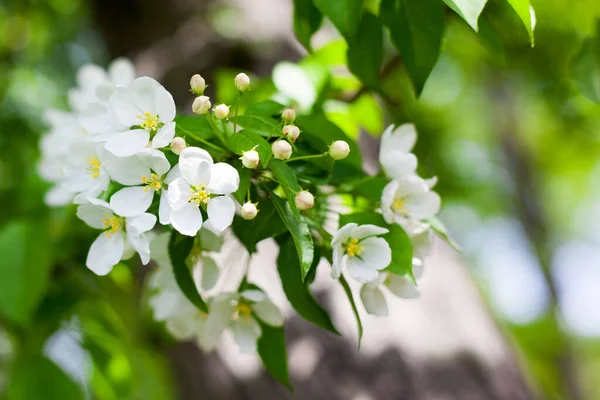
291,132
394,153
242,82
373,299
304,200
109,247
201,105
135,200
147,110
422,244
201,184
281,149
339,150
358,250
408,201
221,111
250,159
249,211
240,311
86,172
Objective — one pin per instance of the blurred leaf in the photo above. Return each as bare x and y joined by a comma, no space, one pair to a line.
273,354
297,291
439,228
245,176
300,233
287,179
416,28
586,68
180,247
193,126
344,14
268,109
24,270
260,125
209,240
266,224
307,20
348,292
469,10
525,11
39,378
367,113
248,140
365,52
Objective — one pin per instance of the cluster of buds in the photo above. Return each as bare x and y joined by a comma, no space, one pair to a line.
202,104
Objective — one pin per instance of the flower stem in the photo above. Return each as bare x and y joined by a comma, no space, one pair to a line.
307,157
218,132
235,112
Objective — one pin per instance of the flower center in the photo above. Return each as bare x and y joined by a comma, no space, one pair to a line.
353,249
398,207
149,121
199,195
242,310
152,182
94,168
112,225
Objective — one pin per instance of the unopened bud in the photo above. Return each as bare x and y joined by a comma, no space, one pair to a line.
304,200
250,159
221,111
339,150
242,82
291,132
197,84
177,145
282,150
288,115
201,105
249,211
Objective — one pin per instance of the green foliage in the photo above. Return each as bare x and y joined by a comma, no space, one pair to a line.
344,14
348,292
266,224
286,177
273,354
180,247
469,10
365,52
307,20
249,140
258,124
522,7
193,127
586,68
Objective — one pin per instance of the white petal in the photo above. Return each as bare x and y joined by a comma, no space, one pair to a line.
141,223
423,205
417,268
195,152
96,118
155,159
58,196
164,136
164,105
90,75
123,107
195,171
127,143
163,304
376,253
268,313
132,201
105,252
173,174
93,215
210,273
373,300
221,211
121,71
178,194
187,220
397,164
401,287
182,328
224,179
431,182
336,266
410,185
164,210
219,318
140,244
402,138
422,244
367,230
126,170
360,271
344,233
253,295
245,333
159,247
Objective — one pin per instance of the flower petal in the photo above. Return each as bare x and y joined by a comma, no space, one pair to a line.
397,164
268,313
224,179
221,211
376,253
178,194
127,143
195,152
164,210
373,300
195,171
164,136
132,201
124,108
253,295
121,71
360,271
93,215
96,118
164,105
210,273
367,230
140,244
105,252
187,220
173,174
423,205
155,159
126,170
245,333
387,199
401,287
402,138
141,223
219,318
344,233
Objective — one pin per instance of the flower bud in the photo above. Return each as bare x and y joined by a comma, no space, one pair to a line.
288,116
249,211
339,150
250,159
177,145
282,150
291,132
221,111
201,105
242,82
197,85
304,200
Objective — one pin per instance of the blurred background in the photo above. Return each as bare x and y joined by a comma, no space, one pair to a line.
515,145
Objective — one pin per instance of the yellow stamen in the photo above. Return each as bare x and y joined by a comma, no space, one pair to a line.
199,195
398,207
242,310
353,249
152,182
112,225
149,121
94,168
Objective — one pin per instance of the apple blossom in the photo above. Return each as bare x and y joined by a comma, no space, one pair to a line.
249,211
177,145
304,200
221,111
250,159
197,84
242,82
394,153
281,149
373,299
291,132
288,115
339,150
201,105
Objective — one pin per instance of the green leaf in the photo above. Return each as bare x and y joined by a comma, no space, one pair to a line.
307,20
298,227
297,291
344,14
397,238
39,378
469,10
439,228
180,247
416,28
24,270
586,68
248,140
348,292
193,127
263,126
365,52
526,14
245,175
273,354
267,108
266,224
287,179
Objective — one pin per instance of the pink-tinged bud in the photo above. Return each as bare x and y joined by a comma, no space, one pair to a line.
250,159
282,150
249,211
177,145
201,105
197,84
339,150
304,200
288,115
291,132
221,111
242,82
